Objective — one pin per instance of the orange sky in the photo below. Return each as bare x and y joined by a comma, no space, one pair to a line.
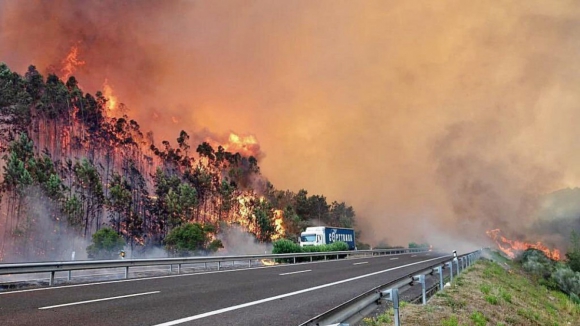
426,116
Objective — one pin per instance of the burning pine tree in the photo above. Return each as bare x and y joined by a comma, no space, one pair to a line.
74,163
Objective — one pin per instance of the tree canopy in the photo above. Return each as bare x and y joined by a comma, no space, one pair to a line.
71,163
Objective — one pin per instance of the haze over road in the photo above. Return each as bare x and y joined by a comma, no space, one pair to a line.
278,295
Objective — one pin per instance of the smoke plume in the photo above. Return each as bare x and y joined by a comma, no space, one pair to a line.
426,116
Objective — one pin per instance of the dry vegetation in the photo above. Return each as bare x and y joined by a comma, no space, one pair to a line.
490,293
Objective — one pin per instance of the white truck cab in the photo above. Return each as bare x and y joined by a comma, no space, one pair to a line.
312,236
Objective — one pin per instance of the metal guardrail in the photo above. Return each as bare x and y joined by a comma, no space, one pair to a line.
53,267
360,306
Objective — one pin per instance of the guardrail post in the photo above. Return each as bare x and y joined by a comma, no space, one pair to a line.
249,263
170,268
219,265
456,265
69,275
439,270
127,272
51,281
421,279
393,296
178,268
294,259
450,264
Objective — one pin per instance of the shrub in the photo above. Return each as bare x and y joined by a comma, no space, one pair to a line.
536,262
215,245
106,244
338,246
413,245
574,298
573,254
568,281
285,246
313,249
191,237
550,284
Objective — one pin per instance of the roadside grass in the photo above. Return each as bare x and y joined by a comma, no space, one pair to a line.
490,292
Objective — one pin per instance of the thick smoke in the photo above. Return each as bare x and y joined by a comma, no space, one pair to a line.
424,115
237,241
52,240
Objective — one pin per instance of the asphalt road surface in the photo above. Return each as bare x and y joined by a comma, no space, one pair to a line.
274,295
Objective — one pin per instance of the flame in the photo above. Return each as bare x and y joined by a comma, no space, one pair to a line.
245,145
511,247
278,222
70,63
111,99
268,262
246,202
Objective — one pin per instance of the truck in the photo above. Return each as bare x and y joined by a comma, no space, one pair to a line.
320,235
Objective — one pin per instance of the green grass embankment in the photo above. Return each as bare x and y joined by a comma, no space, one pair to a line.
490,292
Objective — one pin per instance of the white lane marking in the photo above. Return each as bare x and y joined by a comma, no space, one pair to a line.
364,262
304,271
97,300
253,303
413,256
153,278
393,258
170,276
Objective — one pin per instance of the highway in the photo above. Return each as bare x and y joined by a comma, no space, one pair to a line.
273,295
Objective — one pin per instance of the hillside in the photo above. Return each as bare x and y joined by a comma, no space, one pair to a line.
74,163
490,292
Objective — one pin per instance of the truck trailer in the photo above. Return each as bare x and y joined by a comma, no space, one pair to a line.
320,235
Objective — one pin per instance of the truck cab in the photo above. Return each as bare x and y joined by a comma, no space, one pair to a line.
312,236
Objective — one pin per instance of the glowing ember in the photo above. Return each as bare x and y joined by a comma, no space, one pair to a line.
70,63
511,247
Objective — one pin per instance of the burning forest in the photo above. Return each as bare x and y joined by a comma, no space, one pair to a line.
438,121
74,163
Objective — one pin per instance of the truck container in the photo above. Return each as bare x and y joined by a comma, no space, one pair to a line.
320,235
